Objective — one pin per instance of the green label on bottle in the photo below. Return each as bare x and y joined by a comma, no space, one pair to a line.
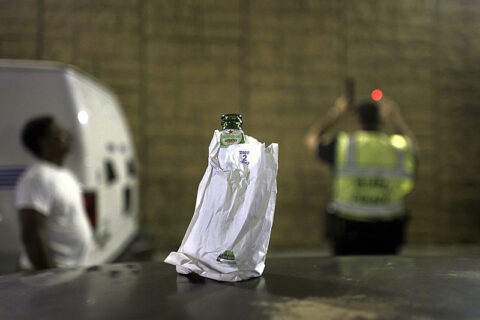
231,136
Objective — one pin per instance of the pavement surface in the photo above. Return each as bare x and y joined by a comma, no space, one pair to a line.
357,287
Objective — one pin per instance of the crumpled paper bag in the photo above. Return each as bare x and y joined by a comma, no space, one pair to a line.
228,236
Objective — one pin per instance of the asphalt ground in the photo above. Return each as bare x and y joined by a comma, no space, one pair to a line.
356,287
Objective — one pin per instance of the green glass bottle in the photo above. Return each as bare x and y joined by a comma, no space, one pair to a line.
232,132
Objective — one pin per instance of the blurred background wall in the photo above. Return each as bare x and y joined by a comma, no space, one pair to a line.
177,65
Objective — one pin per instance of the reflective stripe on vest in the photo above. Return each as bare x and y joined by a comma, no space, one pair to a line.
352,169
366,212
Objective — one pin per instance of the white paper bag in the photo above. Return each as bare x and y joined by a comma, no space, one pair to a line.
228,236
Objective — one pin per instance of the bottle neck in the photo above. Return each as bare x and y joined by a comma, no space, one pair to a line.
232,125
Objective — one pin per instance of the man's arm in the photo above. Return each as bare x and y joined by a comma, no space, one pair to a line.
391,113
34,239
318,131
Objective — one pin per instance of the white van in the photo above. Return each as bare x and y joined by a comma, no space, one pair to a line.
102,158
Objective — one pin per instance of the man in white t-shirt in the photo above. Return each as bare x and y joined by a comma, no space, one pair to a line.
54,227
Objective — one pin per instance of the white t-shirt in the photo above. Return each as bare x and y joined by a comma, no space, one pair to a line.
54,192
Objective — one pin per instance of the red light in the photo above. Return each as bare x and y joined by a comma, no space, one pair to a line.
377,95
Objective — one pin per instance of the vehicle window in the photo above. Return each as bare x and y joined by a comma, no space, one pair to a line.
126,199
131,168
110,172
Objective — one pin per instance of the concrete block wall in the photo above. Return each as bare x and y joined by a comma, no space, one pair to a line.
178,65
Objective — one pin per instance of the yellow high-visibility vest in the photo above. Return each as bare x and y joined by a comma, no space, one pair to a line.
373,173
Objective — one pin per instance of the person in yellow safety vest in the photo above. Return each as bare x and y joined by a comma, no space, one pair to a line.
372,173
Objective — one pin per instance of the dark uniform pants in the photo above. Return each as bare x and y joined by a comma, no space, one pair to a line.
352,237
